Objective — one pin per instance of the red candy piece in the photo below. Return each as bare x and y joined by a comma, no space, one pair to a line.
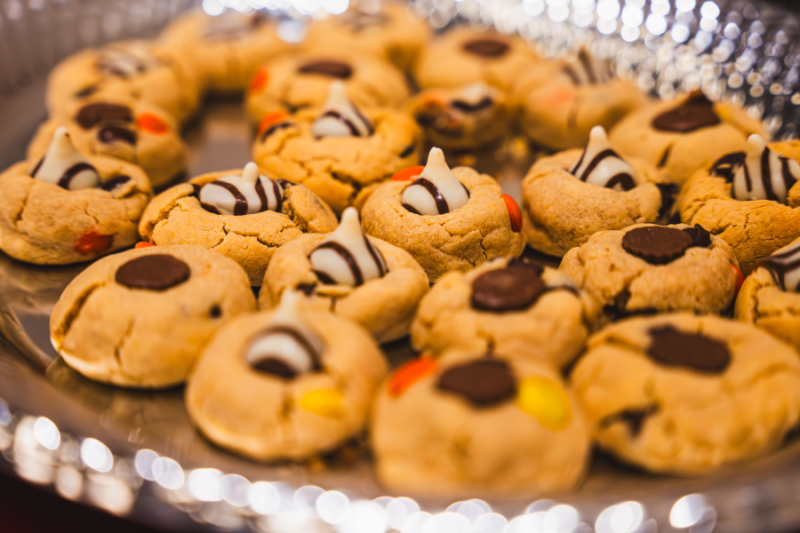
408,173
259,81
152,124
513,213
91,243
144,245
270,119
739,279
409,373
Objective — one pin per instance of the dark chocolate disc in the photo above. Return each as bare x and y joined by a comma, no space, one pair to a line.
514,287
486,47
331,69
110,134
700,237
671,347
657,245
155,272
92,114
696,112
483,383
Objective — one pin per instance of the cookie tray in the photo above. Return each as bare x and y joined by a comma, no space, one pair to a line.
136,454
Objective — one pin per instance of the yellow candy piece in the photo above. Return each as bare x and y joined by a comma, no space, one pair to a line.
324,402
546,400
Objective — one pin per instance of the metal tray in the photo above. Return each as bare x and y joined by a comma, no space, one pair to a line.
136,454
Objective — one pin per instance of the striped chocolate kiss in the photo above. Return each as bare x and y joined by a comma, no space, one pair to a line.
287,347
764,175
247,194
62,165
346,256
436,191
600,165
340,117
785,267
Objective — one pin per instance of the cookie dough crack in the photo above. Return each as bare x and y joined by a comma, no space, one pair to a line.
122,342
69,319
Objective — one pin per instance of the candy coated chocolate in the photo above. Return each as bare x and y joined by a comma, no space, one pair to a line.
690,350
156,272
514,287
483,383
657,245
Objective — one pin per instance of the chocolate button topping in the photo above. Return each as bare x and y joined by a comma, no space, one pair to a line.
483,383
486,47
156,272
331,69
674,348
514,287
657,245
695,113
700,237
92,114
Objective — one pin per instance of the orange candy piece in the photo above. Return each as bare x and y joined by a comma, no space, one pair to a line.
91,243
739,279
269,120
407,173
152,124
514,213
409,373
259,81
144,245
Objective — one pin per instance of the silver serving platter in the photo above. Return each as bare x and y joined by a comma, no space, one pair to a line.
136,454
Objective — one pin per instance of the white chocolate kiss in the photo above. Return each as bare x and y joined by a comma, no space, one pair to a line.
339,117
585,69
62,165
346,256
766,172
249,184
127,60
423,200
287,339
600,165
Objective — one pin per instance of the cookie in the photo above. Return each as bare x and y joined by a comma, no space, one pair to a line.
340,151
141,70
289,84
770,296
464,56
508,306
471,425
748,198
360,278
124,128
225,51
287,384
462,118
647,269
387,30
560,101
447,220
684,135
242,214
570,196
141,318
696,393
68,208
